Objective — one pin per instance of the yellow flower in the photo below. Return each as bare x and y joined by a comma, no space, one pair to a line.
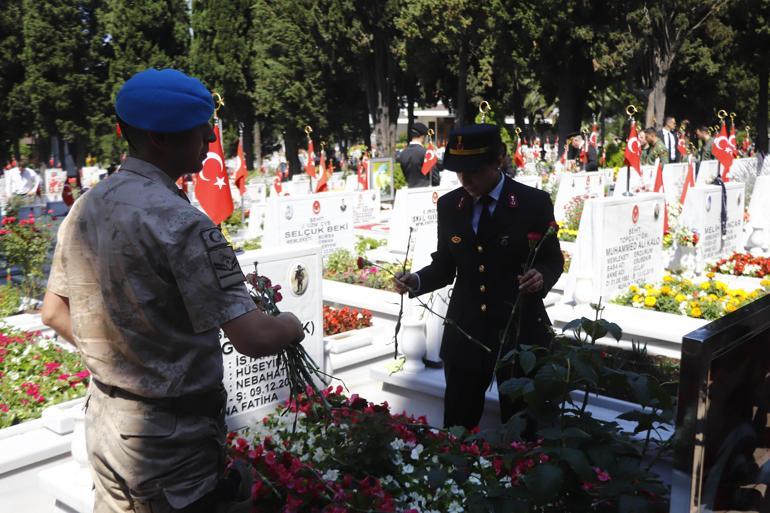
668,279
710,274
636,299
633,288
713,297
686,283
754,295
650,301
765,283
705,285
665,290
680,297
695,312
730,308
720,285
694,304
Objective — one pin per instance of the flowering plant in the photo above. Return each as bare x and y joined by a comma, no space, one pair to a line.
364,458
709,300
574,211
342,266
25,243
35,373
345,319
742,264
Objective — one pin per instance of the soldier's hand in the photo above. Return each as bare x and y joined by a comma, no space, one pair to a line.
531,281
405,282
295,330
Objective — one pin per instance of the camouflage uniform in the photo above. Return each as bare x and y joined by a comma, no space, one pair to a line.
150,280
705,152
657,151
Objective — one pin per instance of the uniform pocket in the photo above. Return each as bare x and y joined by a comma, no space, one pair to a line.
150,423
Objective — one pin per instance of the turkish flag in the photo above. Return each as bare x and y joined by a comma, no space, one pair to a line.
733,142
746,143
593,139
681,144
689,180
633,154
321,187
242,173
658,187
722,152
518,157
277,184
310,166
430,160
213,187
603,158
363,173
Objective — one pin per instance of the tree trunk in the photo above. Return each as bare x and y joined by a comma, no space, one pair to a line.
291,143
409,110
762,74
381,98
571,103
461,103
656,99
256,144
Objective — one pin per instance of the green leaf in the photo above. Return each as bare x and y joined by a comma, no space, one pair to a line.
527,361
584,371
516,387
577,461
634,504
613,329
573,432
544,481
457,431
550,433
572,325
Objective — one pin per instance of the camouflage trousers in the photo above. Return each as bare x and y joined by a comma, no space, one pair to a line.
148,460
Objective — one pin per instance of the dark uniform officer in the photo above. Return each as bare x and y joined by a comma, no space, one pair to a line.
575,149
482,242
141,282
412,157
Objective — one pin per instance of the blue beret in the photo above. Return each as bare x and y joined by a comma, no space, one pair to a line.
164,101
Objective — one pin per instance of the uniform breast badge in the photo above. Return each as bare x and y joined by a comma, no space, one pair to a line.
512,203
456,239
461,202
504,240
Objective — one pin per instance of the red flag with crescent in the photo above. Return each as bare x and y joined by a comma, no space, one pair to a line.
633,154
681,144
733,142
277,184
212,188
593,139
363,173
518,157
722,152
310,166
322,187
658,187
242,173
430,160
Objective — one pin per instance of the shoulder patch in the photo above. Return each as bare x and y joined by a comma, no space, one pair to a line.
222,257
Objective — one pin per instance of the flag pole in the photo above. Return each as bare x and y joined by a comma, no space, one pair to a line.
240,143
630,110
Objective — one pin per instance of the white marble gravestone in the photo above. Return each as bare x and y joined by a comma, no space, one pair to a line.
55,178
90,176
530,180
639,183
573,185
620,242
759,207
707,171
256,385
702,213
413,208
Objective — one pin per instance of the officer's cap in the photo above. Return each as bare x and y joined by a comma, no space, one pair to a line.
471,147
418,129
164,101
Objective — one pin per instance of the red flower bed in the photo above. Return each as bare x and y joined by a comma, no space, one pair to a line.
742,264
345,319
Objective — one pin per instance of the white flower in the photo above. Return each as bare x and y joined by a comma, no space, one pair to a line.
454,507
408,469
474,479
417,451
485,463
397,444
318,455
331,475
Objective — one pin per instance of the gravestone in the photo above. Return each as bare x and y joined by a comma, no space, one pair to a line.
707,171
673,181
255,386
759,207
327,219
702,214
530,180
620,242
55,178
413,208
90,176
573,185
381,177
639,183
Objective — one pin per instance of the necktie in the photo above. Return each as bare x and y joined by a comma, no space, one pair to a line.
485,220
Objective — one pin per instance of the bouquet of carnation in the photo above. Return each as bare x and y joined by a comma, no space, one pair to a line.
301,371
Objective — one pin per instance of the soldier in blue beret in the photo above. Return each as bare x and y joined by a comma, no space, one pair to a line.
141,283
483,244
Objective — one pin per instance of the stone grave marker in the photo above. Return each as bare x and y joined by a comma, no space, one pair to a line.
707,171
530,180
572,185
55,178
415,208
255,386
702,213
620,242
642,183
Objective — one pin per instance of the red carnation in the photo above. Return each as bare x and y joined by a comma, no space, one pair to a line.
534,236
362,262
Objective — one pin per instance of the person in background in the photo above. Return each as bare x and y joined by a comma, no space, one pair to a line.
21,181
412,157
655,149
670,139
706,142
577,148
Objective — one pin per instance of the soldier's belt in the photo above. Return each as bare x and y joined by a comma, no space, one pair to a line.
205,404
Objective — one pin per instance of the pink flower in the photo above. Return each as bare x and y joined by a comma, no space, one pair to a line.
4,408
602,475
270,458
